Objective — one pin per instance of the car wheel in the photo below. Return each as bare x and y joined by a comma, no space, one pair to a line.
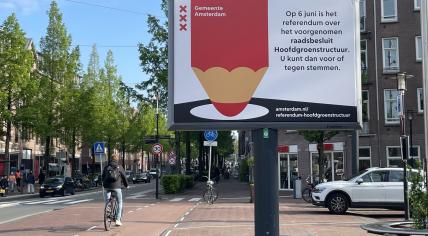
62,193
337,203
41,195
73,191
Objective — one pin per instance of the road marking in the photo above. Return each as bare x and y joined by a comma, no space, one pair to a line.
235,198
182,218
146,206
142,192
176,225
93,227
130,212
169,231
56,202
79,201
196,199
177,199
187,213
139,209
22,217
38,202
8,205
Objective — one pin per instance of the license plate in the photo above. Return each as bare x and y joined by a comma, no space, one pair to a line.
49,191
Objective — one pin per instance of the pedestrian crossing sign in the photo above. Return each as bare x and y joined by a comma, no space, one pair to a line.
99,148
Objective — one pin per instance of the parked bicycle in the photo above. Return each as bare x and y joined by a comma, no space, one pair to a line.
210,196
307,191
110,210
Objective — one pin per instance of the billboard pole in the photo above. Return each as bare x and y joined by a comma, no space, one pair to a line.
266,206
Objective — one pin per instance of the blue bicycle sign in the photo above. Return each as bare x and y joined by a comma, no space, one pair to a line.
210,135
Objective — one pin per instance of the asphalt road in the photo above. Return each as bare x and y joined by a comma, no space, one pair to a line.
16,209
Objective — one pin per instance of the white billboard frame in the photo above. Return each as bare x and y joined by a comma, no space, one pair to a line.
243,123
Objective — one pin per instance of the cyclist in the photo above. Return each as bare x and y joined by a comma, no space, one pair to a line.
113,177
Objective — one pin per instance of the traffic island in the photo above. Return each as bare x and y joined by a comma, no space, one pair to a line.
398,228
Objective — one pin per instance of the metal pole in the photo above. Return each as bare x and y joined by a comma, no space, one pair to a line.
266,206
404,152
157,159
354,152
209,164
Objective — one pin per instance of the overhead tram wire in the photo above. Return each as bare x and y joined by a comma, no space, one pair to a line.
112,8
105,46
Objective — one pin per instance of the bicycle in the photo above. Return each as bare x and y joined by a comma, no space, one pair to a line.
110,210
210,196
307,192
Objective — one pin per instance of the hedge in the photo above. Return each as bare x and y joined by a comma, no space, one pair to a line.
176,183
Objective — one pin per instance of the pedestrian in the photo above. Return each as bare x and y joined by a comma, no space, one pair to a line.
30,182
12,182
18,180
4,185
42,178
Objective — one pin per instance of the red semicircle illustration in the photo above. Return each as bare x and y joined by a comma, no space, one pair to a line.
229,50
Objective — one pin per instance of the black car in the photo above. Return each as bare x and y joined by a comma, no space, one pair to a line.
57,186
141,177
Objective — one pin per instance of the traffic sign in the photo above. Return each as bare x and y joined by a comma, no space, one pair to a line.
157,148
172,158
98,147
210,135
210,143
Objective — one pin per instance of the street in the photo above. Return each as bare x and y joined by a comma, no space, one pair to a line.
176,215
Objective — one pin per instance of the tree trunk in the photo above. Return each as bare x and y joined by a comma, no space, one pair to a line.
73,153
321,161
188,153
47,153
8,132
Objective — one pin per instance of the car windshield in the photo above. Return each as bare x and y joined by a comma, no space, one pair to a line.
352,178
54,181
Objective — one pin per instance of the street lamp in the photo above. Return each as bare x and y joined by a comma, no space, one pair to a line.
401,87
410,118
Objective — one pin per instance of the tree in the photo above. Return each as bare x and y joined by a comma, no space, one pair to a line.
16,63
319,137
54,67
154,59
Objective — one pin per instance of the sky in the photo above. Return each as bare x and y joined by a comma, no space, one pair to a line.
118,25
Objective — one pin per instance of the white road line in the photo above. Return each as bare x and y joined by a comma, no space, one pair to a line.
93,227
8,205
196,199
56,202
177,199
182,218
130,212
79,201
234,198
22,217
38,202
139,209
169,231
142,192
176,225
146,206
187,213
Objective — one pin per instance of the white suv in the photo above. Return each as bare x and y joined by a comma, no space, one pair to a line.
373,187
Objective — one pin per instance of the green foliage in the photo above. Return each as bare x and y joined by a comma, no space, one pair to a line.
418,198
176,183
154,59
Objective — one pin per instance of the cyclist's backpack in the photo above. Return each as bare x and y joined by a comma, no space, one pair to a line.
112,174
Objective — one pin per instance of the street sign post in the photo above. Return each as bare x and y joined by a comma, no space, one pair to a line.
210,136
99,151
157,148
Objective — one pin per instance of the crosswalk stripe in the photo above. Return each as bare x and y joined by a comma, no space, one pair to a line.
196,199
38,202
8,205
56,202
177,199
79,201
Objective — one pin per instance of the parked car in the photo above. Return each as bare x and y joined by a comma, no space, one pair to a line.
141,177
128,174
152,172
374,188
57,186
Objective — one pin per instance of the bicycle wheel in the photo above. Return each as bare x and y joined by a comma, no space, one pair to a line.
210,196
307,195
109,214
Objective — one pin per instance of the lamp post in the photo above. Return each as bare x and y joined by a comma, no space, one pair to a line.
157,141
401,87
410,118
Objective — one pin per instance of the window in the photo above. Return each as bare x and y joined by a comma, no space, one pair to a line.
363,52
417,5
389,10
391,111
396,176
418,45
364,158
363,15
375,176
390,55
393,155
365,111
420,92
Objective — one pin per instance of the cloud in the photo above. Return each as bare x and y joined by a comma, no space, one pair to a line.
24,6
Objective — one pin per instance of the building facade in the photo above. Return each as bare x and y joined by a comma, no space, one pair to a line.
390,44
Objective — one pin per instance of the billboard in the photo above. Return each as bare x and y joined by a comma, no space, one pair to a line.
291,64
